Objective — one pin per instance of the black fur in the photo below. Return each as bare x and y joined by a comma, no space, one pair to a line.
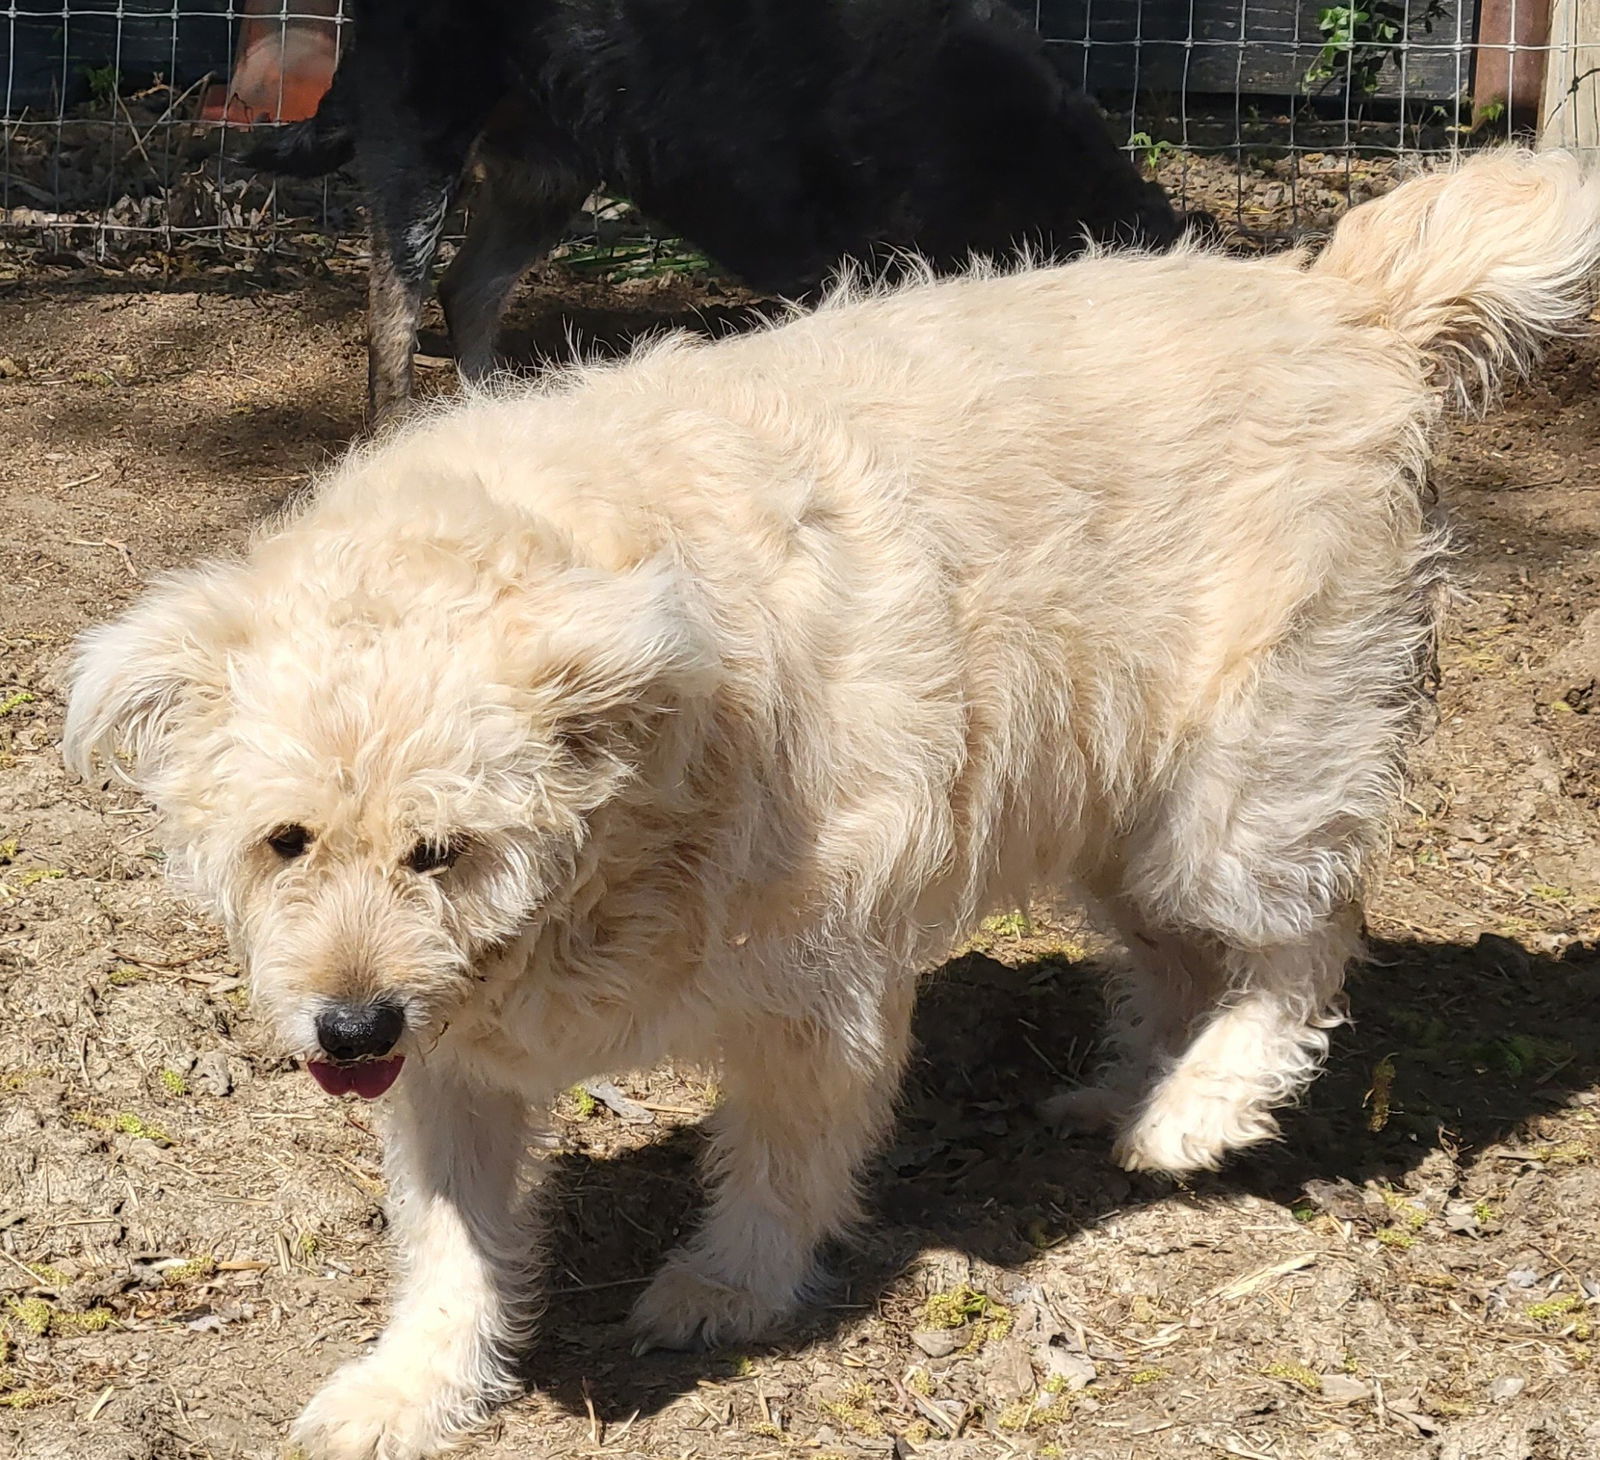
780,136
315,147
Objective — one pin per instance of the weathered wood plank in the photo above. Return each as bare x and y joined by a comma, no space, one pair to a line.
1244,47
46,55
1570,112
1508,67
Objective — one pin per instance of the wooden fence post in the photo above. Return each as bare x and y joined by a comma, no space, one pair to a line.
1509,60
1570,113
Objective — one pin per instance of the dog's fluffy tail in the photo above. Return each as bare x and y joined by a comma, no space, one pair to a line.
1478,265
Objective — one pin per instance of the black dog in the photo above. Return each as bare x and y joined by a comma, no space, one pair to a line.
780,136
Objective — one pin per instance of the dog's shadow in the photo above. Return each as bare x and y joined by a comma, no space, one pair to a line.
1468,1042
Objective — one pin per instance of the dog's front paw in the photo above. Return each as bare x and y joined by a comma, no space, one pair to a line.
686,1308
368,1411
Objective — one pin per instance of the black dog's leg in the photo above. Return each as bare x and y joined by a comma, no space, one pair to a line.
411,151
519,213
408,208
420,84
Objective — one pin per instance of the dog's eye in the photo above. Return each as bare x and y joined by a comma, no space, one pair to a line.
429,856
289,842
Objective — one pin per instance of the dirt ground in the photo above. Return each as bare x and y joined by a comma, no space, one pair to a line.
191,1234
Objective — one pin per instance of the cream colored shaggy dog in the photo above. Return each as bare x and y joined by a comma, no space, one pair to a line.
692,706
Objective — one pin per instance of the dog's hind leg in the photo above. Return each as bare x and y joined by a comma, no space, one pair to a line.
518,213
454,1161
1256,850
408,216
804,1107
1166,983
1258,1048
411,164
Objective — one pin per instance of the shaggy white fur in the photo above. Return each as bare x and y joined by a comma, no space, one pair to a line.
746,678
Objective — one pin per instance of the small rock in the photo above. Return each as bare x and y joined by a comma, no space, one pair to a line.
147,1268
1342,1389
1076,1371
1424,1423
1011,1370
46,1090
1344,1201
1503,953
1431,1177
913,1156
629,1112
937,1343
106,1285
211,1075
1506,1388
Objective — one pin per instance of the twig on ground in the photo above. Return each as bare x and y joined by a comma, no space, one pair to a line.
1241,1287
212,952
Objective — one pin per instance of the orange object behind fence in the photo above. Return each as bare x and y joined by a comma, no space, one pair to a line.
288,50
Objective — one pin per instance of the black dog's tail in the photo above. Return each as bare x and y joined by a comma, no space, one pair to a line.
316,146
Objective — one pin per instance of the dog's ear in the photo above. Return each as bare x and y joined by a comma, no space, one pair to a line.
621,652
130,677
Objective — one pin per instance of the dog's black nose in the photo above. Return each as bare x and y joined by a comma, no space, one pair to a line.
359,1031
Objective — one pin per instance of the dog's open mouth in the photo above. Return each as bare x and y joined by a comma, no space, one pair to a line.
368,1079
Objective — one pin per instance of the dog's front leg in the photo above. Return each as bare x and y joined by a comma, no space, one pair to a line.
459,1211
803,1108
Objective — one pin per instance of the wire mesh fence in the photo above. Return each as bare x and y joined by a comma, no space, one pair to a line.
124,122
1277,115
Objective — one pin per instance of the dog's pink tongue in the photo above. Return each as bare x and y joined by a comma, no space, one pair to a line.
368,1079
